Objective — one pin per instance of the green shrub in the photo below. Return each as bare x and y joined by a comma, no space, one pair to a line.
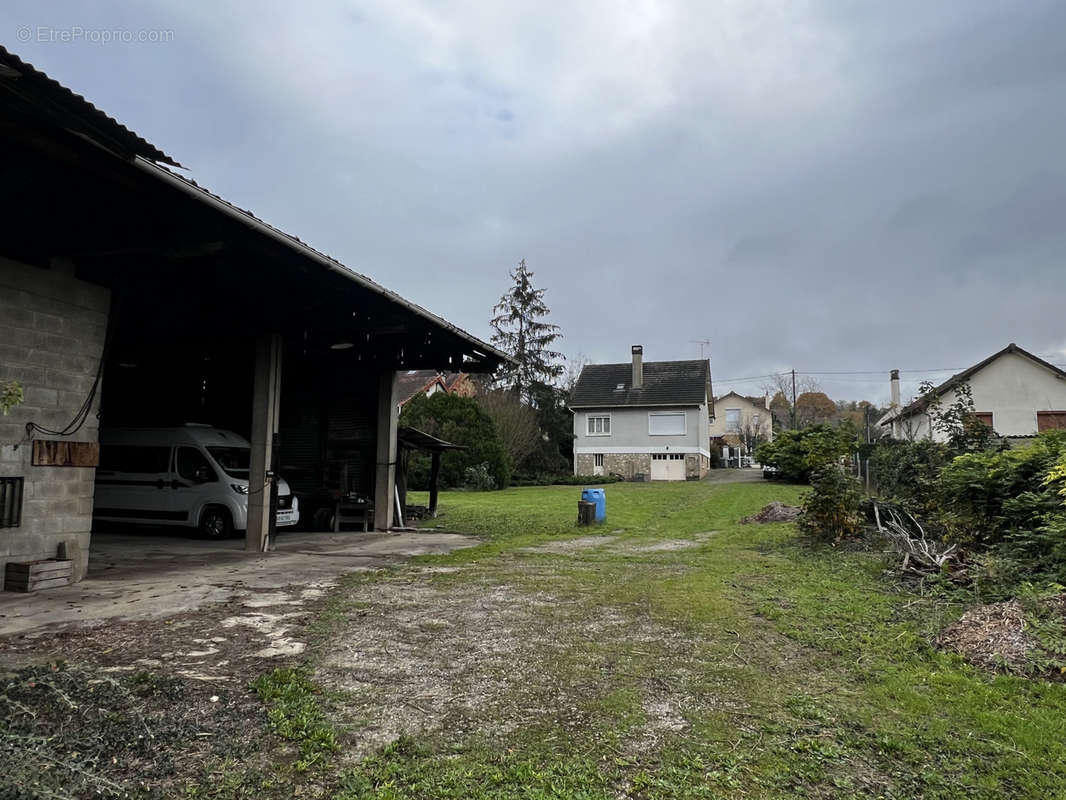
10,395
908,473
458,420
831,511
989,498
798,454
478,478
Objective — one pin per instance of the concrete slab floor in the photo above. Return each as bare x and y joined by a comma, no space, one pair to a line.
154,575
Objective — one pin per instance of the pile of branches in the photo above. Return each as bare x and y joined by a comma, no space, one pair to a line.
922,555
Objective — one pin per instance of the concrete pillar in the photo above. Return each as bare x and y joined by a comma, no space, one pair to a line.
385,473
266,403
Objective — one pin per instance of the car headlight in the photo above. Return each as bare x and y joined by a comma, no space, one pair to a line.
239,488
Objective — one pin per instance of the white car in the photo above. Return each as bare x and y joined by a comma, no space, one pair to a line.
194,476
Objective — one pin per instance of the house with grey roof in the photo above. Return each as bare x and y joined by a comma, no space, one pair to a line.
644,421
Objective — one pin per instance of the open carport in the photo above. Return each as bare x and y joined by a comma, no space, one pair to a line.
130,296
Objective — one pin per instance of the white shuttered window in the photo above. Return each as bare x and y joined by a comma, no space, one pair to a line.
666,423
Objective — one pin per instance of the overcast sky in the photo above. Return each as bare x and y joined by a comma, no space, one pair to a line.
827,186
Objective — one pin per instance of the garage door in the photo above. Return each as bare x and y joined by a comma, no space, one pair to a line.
668,466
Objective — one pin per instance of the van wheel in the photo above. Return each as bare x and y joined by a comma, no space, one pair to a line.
216,523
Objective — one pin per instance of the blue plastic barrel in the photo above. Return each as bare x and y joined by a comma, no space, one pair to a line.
599,497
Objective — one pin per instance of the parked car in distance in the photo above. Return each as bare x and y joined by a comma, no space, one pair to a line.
193,476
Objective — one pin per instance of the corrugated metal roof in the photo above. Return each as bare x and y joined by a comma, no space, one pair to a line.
45,99
420,440
52,102
665,383
196,191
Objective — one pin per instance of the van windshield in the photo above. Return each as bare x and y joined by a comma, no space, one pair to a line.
234,460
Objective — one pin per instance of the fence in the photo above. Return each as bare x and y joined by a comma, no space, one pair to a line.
861,469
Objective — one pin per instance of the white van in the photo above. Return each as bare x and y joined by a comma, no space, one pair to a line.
195,476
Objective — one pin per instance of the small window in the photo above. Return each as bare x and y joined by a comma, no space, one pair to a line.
677,456
667,423
598,460
732,420
984,417
193,466
755,421
599,425
10,502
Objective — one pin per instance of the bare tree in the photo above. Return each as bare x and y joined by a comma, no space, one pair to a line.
752,434
573,371
516,422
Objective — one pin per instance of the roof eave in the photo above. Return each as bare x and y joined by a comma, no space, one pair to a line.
638,405
190,188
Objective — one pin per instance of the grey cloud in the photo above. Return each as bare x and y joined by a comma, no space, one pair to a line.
857,186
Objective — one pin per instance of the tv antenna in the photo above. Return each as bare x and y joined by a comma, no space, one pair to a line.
702,343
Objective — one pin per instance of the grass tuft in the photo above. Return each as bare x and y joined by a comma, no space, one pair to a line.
294,714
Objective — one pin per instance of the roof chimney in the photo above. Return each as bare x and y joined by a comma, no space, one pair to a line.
894,380
638,366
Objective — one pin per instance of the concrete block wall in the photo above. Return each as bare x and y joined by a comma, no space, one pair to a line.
52,331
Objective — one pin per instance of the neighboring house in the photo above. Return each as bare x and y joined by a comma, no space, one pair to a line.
461,383
643,421
414,382
1015,392
741,422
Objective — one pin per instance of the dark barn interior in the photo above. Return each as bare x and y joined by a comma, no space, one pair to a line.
196,282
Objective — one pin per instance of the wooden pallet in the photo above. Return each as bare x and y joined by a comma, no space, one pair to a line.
32,576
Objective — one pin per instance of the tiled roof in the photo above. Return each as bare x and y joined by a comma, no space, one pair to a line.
682,383
413,381
753,399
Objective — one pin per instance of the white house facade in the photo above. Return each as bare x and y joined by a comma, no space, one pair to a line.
1014,392
643,421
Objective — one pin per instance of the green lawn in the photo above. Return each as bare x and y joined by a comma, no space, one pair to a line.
689,656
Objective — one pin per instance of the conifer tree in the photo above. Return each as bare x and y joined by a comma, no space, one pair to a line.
519,330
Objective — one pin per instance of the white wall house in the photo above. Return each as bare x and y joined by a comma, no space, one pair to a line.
1014,391
643,421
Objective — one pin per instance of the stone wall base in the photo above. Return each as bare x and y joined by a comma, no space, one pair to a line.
637,466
